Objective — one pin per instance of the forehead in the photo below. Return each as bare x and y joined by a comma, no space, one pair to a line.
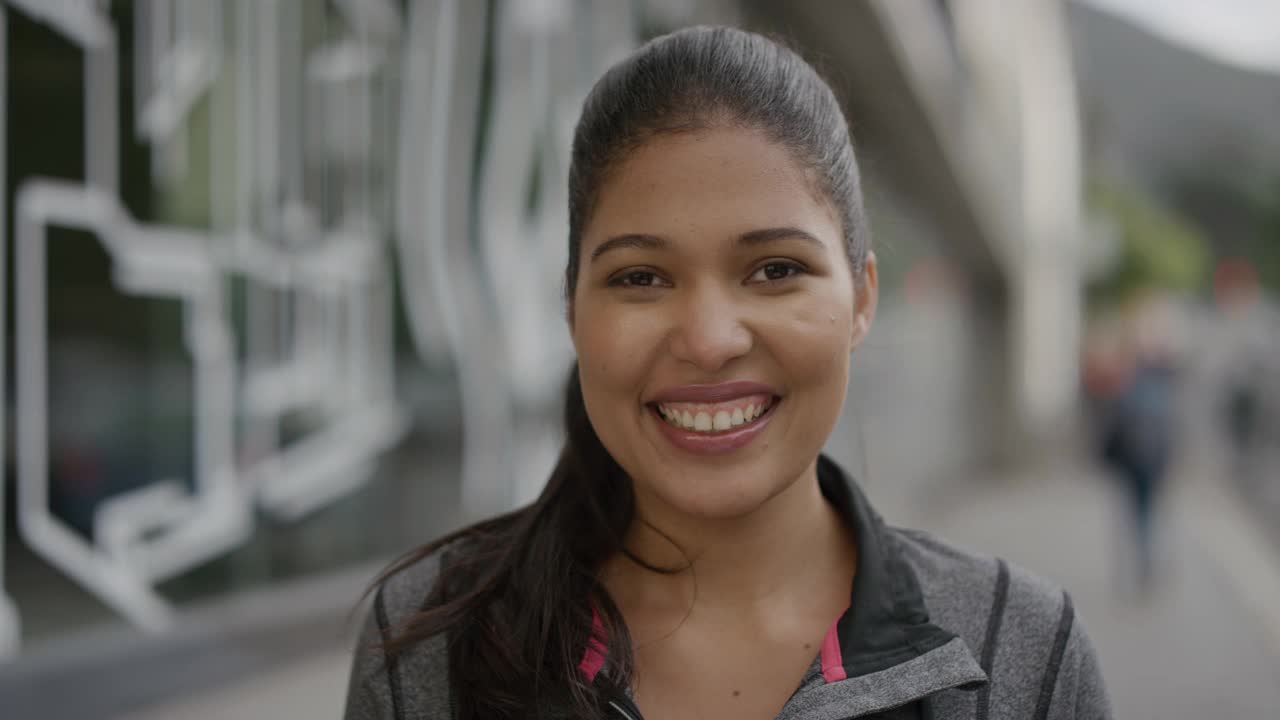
723,180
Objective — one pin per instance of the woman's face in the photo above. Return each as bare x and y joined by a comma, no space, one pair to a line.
713,317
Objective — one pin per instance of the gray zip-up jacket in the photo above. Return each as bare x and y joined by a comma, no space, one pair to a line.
932,632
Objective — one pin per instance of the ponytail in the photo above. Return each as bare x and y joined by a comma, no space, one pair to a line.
517,595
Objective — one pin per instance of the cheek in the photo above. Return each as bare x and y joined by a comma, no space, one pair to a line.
614,346
814,337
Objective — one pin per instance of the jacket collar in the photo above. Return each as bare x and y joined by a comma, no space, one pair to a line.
883,649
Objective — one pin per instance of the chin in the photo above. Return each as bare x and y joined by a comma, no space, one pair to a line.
718,494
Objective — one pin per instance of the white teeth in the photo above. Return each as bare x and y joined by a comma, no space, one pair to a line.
707,421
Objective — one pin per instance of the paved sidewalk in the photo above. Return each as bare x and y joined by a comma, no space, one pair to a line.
312,689
1204,644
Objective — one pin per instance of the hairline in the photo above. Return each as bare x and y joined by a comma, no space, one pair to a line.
722,118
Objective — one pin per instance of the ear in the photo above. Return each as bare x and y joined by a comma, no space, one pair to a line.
866,295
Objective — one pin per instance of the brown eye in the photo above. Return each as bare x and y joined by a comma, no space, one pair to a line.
637,279
776,271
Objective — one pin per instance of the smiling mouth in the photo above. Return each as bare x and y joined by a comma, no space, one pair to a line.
716,418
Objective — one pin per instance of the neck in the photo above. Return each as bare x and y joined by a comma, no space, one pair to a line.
753,563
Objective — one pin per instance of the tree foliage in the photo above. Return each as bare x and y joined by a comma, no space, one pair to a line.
1157,247
1265,252
1239,214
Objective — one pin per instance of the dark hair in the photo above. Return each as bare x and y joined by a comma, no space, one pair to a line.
516,594
700,77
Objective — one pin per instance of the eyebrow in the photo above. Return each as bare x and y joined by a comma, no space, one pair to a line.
754,237
770,235
630,240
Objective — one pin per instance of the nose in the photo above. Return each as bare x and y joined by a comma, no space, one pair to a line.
708,331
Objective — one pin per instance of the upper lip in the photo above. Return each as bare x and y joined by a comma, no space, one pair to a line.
718,392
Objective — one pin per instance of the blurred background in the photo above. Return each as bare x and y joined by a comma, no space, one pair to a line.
281,300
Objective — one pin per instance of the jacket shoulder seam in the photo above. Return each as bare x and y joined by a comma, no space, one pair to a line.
1051,671
994,620
391,664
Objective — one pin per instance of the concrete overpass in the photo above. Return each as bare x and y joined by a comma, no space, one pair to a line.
970,111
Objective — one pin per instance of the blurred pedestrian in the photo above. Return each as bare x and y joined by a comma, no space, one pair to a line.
1249,329
1133,385
1242,410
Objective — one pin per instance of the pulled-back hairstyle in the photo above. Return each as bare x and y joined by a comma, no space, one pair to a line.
516,594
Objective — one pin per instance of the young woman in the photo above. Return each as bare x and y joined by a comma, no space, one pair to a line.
693,554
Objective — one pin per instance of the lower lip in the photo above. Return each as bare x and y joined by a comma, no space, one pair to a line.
717,443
